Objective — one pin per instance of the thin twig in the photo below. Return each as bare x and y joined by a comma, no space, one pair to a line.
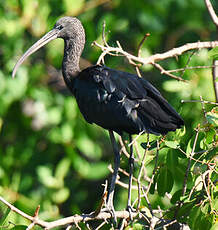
194,101
155,167
126,173
189,59
134,140
189,162
191,67
163,71
123,147
139,52
203,109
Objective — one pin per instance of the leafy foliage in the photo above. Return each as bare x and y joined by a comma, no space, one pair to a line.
50,156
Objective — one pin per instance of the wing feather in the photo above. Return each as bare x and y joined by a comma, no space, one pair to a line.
122,101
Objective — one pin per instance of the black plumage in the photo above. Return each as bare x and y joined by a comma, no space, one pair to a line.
115,100
121,101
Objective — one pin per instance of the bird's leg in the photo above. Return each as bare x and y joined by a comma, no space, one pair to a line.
110,205
131,167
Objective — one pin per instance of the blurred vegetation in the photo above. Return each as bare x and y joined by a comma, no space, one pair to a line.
49,155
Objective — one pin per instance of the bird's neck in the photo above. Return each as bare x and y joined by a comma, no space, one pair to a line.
72,51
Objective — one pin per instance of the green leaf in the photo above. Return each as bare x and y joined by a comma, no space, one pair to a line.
62,168
172,144
88,170
210,136
4,216
215,226
175,86
67,133
54,116
19,227
213,53
185,209
61,195
165,181
71,8
198,220
176,196
136,226
46,177
189,148
88,147
172,160
212,117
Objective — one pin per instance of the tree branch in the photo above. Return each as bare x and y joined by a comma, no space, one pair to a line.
118,51
68,220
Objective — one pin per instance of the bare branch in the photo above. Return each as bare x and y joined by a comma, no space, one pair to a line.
194,101
118,51
161,56
68,220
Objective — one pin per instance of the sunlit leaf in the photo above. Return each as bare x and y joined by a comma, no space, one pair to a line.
89,170
4,216
61,195
62,168
73,7
213,53
172,144
46,178
210,136
54,116
87,147
66,133
212,117
214,227
175,86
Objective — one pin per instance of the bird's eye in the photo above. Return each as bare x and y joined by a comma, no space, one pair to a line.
59,27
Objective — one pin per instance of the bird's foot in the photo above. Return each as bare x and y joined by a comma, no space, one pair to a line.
110,208
130,209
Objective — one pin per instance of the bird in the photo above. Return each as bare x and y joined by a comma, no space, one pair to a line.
117,101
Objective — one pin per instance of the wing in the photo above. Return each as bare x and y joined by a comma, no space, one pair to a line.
122,101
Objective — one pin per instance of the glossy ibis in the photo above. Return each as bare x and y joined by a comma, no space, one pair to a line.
115,100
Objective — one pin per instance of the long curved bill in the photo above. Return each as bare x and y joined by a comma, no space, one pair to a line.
51,35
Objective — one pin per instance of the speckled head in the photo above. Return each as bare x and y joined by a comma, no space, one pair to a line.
68,28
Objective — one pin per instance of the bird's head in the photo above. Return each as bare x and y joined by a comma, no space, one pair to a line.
68,27
65,28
